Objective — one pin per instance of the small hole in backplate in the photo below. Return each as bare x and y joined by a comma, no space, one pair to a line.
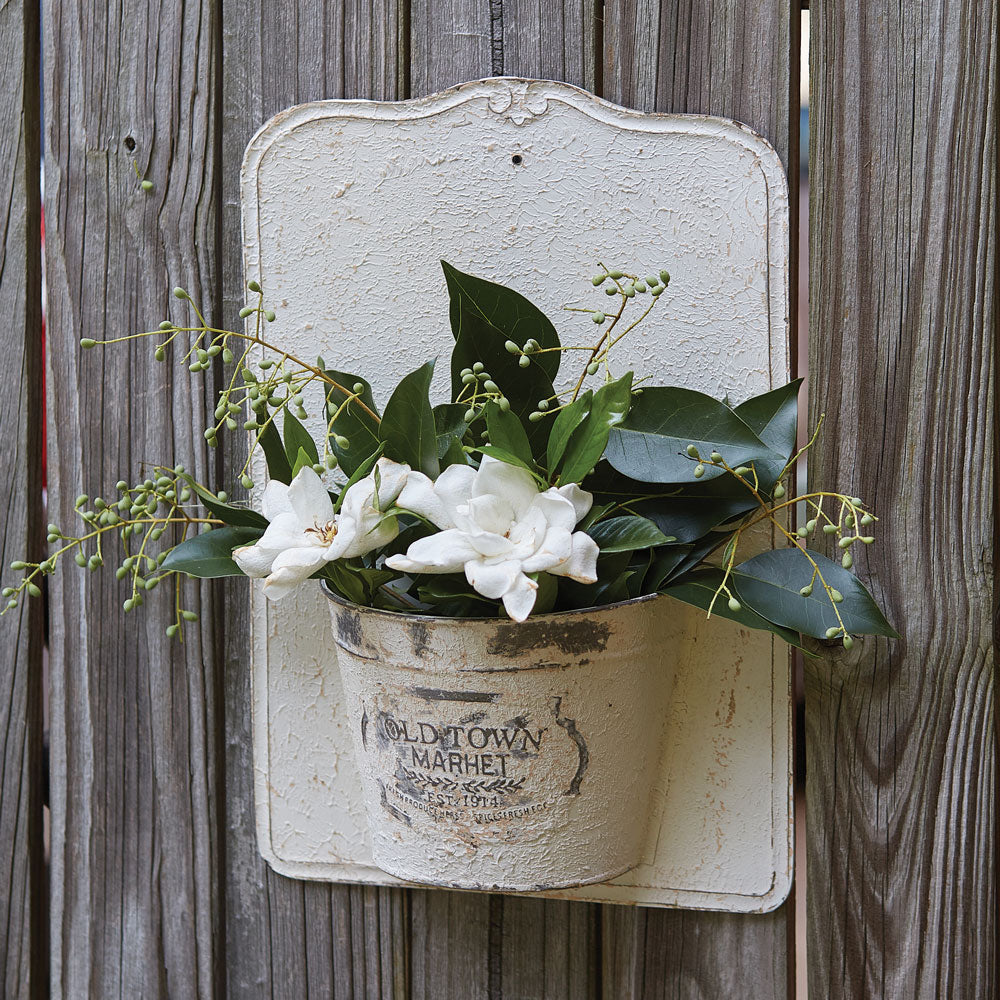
517,159
129,143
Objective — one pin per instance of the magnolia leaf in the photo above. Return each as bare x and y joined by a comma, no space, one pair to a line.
507,433
302,461
241,517
587,443
210,554
502,455
771,582
353,421
651,444
484,317
407,426
278,466
699,589
567,420
774,417
450,428
297,438
626,534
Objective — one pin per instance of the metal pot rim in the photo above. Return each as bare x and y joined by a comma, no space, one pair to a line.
406,616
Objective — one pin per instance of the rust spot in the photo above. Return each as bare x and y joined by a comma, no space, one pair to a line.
420,636
349,628
437,694
516,639
574,734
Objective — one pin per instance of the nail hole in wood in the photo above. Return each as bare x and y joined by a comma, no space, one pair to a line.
129,143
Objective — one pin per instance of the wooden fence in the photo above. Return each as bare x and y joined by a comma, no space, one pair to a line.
155,887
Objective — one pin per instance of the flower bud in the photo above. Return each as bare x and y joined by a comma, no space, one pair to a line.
160,354
806,591
524,361
253,286
469,416
830,529
269,315
811,526
468,379
640,286
848,642
490,386
511,348
535,416
171,631
848,561
179,293
598,317
699,471
478,367
189,616
592,367
227,356
87,343
504,404
692,451
246,311
742,470
868,539
80,559
18,564
846,542
735,605
34,590
615,274
611,290
342,442
832,631
246,482
166,325
147,186
715,457
598,279
779,491
836,596
665,277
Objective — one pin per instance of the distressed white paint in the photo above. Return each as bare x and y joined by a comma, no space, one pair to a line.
348,205
503,755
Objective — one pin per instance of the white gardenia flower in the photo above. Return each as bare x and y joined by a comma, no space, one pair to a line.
305,533
498,527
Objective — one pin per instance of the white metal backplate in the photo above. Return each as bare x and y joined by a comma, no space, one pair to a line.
347,208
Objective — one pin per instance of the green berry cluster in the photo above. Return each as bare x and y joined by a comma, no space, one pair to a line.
478,388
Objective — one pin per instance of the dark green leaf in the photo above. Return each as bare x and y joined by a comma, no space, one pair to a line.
587,443
505,456
567,420
507,433
353,422
297,438
484,316
241,517
699,588
449,426
407,426
302,460
210,554
651,443
344,581
774,417
626,534
770,584
278,466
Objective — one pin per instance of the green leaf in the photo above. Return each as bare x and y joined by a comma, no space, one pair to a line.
506,432
699,588
651,443
302,460
626,534
567,420
353,422
774,417
509,457
297,439
770,584
344,581
449,425
241,517
210,554
484,316
407,426
278,466
587,443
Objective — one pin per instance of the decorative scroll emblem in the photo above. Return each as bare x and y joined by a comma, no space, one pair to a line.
517,104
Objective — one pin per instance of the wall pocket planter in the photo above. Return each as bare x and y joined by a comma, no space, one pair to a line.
633,753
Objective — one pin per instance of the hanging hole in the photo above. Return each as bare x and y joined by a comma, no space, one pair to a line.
129,143
517,159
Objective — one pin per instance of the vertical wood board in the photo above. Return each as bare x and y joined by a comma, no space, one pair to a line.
135,851
904,318
22,898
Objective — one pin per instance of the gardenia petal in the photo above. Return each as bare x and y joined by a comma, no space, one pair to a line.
557,509
516,485
291,568
582,562
520,599
492,579
309,498
446,552
581,500
284,532
275,499
556,549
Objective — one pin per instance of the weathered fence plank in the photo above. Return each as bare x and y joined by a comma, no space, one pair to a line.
23,964
283,937
739,59
135,852
522,947
903,324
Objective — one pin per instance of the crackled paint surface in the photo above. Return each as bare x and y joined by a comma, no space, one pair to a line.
348,206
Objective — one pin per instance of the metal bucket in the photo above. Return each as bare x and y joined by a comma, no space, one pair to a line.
498,755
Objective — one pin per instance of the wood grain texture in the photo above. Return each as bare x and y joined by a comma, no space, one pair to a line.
739,59
135,852
903,322
23,965
286,938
